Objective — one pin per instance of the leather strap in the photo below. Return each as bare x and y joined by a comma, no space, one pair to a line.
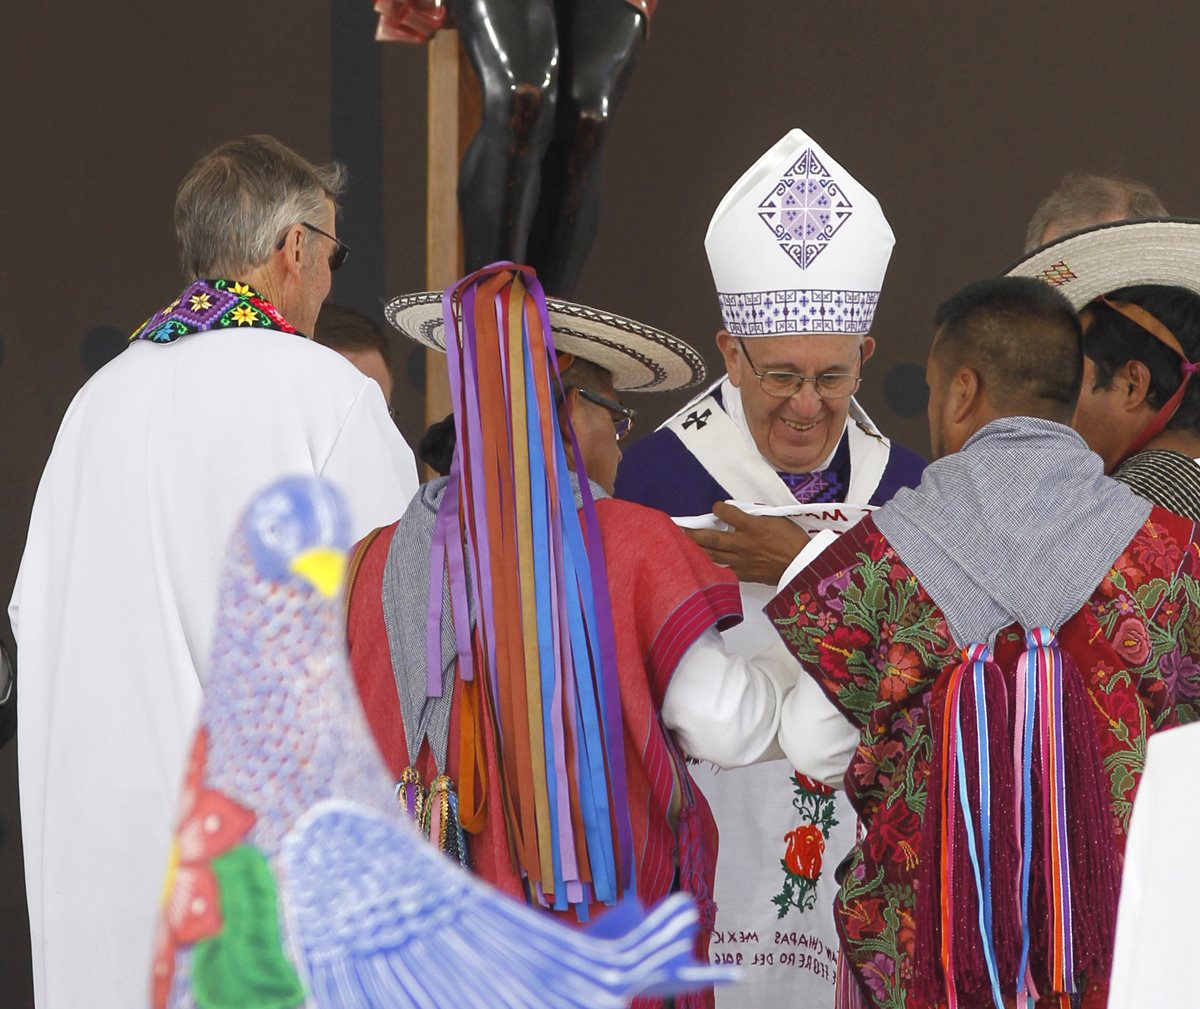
472,759
356,560
1143,319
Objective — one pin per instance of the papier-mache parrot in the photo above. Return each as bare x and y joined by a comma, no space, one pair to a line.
295,880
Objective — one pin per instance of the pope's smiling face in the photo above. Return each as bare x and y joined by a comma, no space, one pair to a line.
797,433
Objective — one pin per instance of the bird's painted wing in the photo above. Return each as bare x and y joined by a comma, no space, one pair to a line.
378,918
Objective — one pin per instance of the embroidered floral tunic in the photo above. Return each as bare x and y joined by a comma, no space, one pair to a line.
876,643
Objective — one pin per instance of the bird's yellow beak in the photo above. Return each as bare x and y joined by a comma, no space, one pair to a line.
323,567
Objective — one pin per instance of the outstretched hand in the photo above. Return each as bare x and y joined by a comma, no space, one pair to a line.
757,548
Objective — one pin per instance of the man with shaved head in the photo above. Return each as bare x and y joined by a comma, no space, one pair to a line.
1015,624
1001,348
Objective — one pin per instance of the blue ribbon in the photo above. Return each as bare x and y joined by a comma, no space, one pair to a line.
982,888
1031,677
581,616
547,650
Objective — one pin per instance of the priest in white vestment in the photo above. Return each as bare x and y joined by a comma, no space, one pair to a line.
218,395
798,250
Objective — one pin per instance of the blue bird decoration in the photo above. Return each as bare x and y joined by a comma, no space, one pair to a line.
295,881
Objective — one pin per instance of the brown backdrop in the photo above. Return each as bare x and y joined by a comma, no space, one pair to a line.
958,119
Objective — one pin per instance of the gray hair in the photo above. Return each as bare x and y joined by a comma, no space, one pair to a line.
1082,199
236,202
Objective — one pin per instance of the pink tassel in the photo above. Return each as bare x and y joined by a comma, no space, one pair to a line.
1095,869
977,944
1087,927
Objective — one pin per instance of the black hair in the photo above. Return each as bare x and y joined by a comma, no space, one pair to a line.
1021,337
1112,340
585,374
436,449
342,328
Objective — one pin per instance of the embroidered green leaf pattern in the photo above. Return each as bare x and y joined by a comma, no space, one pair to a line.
243,966
1122,781
1150,594
877,642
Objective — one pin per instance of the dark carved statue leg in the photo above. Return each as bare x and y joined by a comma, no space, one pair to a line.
600,40
513,46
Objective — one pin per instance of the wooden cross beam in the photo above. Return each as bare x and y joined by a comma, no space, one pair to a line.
454,112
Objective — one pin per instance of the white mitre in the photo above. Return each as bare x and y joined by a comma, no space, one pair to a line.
798,246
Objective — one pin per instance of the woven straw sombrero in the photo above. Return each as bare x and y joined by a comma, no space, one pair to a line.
639,357
1086,264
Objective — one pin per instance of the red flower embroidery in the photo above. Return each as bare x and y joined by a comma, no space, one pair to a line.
1132,641
895,834
875,760
211,824
811,785
1131,571
863,918
1154,548
805,846
1121,704
906,932
877,547
901,673
838,647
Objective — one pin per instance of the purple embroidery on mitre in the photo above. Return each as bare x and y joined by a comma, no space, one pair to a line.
201,305
772,313
805,209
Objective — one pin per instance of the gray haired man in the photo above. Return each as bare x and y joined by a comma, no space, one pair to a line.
218,394
1081,200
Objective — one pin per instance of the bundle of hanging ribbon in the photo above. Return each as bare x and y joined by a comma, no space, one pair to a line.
1019,877
539,659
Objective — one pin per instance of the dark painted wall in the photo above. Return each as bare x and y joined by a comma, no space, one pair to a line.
958,120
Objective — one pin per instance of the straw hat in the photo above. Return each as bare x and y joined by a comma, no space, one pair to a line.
639,357
1086,264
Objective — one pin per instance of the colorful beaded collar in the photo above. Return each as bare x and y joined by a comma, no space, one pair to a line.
212,304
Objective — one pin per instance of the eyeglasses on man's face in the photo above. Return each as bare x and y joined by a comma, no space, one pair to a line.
785,384
622,416
339,254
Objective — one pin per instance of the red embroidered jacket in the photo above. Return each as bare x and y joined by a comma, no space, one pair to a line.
876,643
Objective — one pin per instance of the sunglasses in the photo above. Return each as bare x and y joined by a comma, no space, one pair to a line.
339,254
